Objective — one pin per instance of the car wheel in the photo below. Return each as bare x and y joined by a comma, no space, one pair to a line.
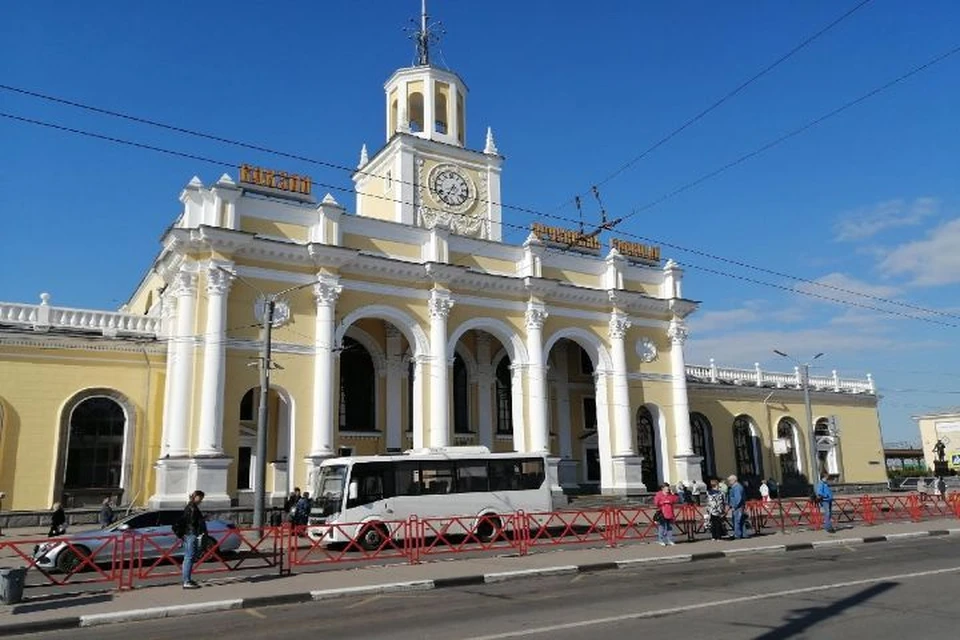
71,558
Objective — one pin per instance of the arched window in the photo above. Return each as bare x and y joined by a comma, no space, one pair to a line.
394,114
789,461
647,447
827,455
461,407
746,447
357,388
415,112
95,449
504,398
702,433
247,404
440,108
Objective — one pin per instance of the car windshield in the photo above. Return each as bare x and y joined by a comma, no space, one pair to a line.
329,493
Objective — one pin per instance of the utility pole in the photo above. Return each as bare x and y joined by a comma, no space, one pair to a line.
259,496
813,474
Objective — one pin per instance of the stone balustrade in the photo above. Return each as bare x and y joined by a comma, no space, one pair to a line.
757,377
44,317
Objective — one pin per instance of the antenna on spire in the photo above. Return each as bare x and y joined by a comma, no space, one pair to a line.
424,34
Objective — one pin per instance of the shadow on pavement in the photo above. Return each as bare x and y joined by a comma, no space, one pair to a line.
52,603
803,619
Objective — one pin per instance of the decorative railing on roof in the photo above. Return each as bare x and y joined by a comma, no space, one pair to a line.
44,317
757,377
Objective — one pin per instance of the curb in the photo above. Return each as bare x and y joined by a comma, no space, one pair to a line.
158,613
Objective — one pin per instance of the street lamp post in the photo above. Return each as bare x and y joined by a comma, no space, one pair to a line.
266,363
814,467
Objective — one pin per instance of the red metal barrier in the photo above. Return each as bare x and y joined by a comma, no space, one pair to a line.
129,558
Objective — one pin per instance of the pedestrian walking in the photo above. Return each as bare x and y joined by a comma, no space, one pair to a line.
737,501
764,491
58,521
716,509
942,488
665,515
698,489
825,500
192,529
106,514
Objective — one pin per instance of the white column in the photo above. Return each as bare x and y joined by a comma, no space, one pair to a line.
181,387
214,360
686,461
623,444
539,441
419,375
168,311
326,293
564,430
440,305
517,402
393,426
681,406
485,381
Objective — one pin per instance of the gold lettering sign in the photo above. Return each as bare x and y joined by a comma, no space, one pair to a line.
565,237
280,180
642,252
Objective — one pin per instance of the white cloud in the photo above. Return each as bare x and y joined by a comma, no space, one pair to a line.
719,320
746,347
843,289
869,221
933,261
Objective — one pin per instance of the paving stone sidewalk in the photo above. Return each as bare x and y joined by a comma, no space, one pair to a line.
223,593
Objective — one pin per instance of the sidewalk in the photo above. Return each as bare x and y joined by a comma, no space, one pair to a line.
92,609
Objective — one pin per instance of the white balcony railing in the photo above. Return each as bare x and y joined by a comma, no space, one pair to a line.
757,377
44,317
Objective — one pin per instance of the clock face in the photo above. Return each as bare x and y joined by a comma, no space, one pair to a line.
451,188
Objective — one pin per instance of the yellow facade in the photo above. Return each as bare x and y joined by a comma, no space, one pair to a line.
407,323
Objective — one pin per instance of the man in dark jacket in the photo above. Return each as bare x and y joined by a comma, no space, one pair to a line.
194,529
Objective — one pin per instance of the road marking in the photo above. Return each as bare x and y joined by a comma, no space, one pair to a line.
707,605
363,602
577,577
256,614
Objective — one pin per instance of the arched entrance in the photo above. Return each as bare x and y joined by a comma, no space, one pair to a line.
790,466
647,448
95,461
280,420
747,451
701,431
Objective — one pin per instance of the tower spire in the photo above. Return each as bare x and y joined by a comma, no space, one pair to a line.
424,35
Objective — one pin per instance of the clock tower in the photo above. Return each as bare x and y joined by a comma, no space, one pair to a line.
425,175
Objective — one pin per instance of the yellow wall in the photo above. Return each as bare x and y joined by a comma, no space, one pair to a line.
274,228
382,247
38,385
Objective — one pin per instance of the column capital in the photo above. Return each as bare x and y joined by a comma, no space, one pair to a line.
184,283
168,306
441,302
218,279
619,323
391,331
536,315
327,290
677,332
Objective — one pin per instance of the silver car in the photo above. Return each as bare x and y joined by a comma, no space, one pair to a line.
102,546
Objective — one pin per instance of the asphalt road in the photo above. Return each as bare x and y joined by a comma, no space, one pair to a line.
887,590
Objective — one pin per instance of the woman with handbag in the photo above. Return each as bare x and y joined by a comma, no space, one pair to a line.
716,509
665,515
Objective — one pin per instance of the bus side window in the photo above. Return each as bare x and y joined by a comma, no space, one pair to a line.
532,473
371,484
471,476
437,477
504,475
408,479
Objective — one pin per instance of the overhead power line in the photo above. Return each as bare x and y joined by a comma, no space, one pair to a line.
731,94
610,224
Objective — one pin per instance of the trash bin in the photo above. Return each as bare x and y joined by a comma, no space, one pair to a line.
11,584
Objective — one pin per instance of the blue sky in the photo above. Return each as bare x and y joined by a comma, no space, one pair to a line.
868,201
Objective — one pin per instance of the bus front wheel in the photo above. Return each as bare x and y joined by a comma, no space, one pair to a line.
372,537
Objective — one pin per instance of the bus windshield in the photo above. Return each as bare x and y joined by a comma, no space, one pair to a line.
329,495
